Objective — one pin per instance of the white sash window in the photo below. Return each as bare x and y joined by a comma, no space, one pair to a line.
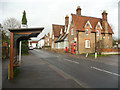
97,32
87,43
87,32
72,31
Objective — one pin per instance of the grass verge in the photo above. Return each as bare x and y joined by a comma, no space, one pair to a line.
93,55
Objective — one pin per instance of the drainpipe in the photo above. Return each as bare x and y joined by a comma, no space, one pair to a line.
95,47
77,43
20,52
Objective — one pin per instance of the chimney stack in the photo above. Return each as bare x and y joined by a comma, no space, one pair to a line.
104,15
104,21
66,20
78,10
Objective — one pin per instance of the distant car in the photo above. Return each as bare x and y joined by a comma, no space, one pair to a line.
31,48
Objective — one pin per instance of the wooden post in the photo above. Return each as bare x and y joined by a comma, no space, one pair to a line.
16,52
11,55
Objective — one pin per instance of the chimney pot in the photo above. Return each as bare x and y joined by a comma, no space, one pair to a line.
78,10
66,20
104,15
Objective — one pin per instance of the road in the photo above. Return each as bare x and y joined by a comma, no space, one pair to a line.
45,69
86,73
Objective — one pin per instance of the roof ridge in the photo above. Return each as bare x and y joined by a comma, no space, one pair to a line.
92,17
86,16
58,25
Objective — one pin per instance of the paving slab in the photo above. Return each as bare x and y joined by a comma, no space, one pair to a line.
35,73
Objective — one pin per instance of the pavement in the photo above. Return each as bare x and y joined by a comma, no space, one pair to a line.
0,74
45,69
35,73
0,62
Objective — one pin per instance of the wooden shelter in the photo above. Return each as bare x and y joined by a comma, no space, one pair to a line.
16,36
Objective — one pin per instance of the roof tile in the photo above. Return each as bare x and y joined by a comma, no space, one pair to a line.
80,22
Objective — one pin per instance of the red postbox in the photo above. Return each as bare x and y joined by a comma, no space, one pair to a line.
66,49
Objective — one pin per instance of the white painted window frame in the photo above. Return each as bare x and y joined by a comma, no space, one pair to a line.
98,24
86,43
86,31
98,32
72,31
52,45
53,36
88,22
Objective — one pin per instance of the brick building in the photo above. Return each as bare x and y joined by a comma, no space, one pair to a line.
47,40
60,35
87,34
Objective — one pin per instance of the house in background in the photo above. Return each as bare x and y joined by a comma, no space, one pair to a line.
59,36
55,34
41,42
62,42
34,44
87,34
116,44
47,40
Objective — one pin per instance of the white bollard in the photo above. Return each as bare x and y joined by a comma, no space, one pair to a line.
86,55
95,55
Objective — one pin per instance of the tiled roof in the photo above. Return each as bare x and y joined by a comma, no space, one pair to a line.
80,22
62,38
57,29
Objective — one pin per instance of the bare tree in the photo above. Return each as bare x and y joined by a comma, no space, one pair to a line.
10,23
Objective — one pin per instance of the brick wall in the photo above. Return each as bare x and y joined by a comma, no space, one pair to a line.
82,38
60,50
71,37
110,50
107,41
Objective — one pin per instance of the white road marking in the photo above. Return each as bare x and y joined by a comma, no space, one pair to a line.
56,56
105,71
72,61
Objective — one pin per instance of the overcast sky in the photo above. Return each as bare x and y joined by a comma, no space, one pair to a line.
44,13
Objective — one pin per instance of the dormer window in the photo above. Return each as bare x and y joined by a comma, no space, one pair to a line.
87,32
98,26
65,29
61,31
88,24
72,31
97,32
